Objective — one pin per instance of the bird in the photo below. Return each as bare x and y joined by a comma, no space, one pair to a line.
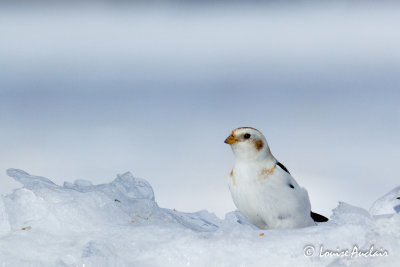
263,189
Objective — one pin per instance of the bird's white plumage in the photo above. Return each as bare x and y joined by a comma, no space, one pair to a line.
261,190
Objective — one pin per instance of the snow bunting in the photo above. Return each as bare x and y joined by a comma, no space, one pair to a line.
262,188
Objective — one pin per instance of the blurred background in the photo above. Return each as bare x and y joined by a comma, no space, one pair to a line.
88,91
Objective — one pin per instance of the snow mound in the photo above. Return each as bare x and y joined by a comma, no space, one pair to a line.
388,204
120,224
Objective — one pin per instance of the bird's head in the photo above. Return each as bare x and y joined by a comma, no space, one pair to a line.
248,143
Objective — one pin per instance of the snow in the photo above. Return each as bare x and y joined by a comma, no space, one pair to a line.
120,224
387,204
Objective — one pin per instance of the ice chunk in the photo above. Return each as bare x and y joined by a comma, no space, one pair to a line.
125,186
133,187
27,180
388,204
348,214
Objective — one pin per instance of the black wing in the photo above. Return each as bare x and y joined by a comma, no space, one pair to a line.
282,167
318,217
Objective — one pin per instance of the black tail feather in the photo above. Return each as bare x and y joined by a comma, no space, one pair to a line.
318,217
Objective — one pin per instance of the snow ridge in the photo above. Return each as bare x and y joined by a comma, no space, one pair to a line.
120,224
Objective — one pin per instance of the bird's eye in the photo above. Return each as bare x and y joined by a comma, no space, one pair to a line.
247,136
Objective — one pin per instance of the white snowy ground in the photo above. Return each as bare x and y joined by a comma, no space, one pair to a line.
120,224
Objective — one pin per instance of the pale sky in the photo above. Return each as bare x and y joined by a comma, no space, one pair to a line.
90,93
